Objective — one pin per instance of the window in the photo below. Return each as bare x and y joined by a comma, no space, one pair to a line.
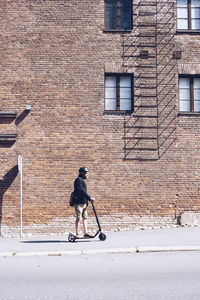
189,93
118,92
188,14
118,14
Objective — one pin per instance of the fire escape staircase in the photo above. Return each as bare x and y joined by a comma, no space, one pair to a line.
148,53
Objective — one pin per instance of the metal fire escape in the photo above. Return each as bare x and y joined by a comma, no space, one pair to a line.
148,54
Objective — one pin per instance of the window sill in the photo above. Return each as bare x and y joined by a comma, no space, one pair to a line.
189,114
118,112
188,31
117,30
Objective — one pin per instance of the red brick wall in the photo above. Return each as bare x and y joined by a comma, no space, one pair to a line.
53,57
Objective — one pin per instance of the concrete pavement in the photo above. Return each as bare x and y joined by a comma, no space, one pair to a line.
136,241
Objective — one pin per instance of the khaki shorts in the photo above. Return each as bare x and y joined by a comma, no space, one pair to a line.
81,211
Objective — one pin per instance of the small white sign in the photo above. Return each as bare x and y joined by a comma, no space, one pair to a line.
20,163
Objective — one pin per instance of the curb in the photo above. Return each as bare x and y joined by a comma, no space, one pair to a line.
146,249
40,253
167,249
110,251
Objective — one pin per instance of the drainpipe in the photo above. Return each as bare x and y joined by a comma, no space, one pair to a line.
20,173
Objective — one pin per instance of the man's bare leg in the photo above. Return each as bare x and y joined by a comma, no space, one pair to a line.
84,226
77,222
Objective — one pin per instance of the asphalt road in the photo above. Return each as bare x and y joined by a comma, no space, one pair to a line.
115,277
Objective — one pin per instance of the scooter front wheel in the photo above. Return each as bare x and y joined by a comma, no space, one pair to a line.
102,236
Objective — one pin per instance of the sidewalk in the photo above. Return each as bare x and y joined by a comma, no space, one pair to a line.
151,240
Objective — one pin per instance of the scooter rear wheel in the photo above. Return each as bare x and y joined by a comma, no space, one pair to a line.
102,236
71,238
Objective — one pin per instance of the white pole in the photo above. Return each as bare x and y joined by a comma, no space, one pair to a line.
20,172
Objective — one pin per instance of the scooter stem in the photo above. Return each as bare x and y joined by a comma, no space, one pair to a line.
94,210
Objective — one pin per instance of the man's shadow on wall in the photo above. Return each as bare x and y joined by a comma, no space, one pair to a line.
5,183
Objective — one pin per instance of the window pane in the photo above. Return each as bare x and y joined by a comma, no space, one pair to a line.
111,2
195,23
184,106
110,81
182,24
110,13
125,93
125,18
110,92
125,12
125,23
184,83
125,104
195,12
111,23
182,2
196,83
125,3
182,13
197,94
195,3
125,81
197,106
184,94
110,104
125,87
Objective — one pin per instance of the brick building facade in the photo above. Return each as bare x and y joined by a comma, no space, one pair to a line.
112,85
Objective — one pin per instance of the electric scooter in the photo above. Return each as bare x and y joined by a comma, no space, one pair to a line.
102,236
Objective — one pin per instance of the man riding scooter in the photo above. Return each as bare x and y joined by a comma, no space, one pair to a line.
81,203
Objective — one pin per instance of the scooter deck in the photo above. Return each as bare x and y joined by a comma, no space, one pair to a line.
73,237
84,237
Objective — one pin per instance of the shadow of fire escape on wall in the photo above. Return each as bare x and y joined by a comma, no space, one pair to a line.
5,183
148,53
